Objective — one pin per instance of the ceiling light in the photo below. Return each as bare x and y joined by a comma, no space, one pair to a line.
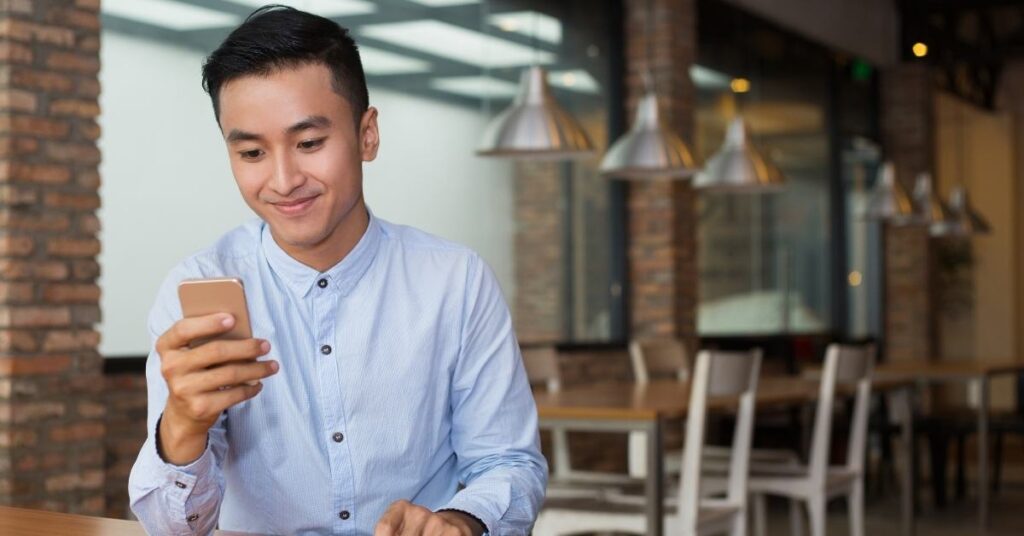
324,8
576,80
920,49
167,14
380,62
535,126
477,87
738,166
888,200
529,23
739,85
649,150
445,3
456,43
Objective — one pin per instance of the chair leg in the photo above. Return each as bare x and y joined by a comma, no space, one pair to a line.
937,441
796,518
816,511
760,521
961,463
997,460
856,498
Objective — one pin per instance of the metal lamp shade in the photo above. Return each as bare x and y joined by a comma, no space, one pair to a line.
930,210
966,220
648,150
535,126
738,166
889,201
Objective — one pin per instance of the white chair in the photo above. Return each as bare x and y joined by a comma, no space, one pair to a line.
817,482
543,373
655,358
717,374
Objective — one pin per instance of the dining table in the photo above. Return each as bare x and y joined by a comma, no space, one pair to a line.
977,373
30,522
650,407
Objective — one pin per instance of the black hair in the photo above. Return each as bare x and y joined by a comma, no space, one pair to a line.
275,37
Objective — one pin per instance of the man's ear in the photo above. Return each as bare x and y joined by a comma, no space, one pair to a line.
369,135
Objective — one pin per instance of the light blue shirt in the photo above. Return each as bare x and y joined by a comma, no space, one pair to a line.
423,381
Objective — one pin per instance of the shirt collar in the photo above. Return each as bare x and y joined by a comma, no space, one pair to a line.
343,276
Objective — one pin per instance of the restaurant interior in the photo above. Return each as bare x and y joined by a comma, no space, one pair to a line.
761,256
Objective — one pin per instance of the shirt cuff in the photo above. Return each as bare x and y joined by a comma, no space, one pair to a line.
179,482
469,505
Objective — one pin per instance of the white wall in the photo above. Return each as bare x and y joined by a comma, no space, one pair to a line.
167,188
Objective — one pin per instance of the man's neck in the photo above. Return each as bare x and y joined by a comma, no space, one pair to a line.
333,249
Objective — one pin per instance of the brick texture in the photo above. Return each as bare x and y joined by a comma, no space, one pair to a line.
52,412
662,221
907,136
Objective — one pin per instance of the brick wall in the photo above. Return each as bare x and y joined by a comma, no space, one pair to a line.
662,223
539,212
908,139
51,412
125,399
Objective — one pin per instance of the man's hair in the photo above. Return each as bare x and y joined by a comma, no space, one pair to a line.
276,37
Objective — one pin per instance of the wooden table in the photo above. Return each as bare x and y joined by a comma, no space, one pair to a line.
976,373
25,522
626,407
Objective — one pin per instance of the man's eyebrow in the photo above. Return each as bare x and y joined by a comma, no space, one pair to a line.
240,135
313,121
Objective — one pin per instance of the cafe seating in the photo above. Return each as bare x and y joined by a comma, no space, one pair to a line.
817,482
716,374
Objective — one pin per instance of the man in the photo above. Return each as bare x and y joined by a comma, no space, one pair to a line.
393,399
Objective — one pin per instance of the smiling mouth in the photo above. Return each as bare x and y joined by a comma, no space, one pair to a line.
294,208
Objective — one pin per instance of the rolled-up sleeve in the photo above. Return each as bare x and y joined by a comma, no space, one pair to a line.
169,499
494,430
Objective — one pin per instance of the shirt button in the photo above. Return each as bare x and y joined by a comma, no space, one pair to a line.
322,283
338,437
192,518
344,514
179,484
325,349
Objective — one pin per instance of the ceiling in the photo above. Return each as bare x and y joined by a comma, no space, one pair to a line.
460,51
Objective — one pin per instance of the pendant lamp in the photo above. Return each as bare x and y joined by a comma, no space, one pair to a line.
739,166
889,201
929,209
649,150
535,126
966,220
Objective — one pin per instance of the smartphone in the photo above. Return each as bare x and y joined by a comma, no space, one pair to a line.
200,297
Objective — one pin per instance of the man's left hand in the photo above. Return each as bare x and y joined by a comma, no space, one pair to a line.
404,518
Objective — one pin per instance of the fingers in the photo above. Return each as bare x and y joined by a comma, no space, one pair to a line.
391,522
226,375
186,330
222,352
403,518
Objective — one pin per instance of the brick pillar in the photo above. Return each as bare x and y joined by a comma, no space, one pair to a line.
51,413
662,221
539,257
908,139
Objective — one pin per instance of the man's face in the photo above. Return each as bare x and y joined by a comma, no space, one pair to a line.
294,152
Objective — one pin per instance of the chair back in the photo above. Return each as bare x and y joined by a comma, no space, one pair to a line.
845,365
718,374
542,368
659,358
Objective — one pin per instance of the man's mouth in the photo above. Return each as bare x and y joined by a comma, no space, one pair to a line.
295,207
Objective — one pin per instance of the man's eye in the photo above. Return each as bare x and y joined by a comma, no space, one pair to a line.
311,144
255,153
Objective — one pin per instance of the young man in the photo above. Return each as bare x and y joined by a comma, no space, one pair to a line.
394,399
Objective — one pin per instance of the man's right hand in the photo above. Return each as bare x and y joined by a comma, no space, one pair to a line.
204,381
